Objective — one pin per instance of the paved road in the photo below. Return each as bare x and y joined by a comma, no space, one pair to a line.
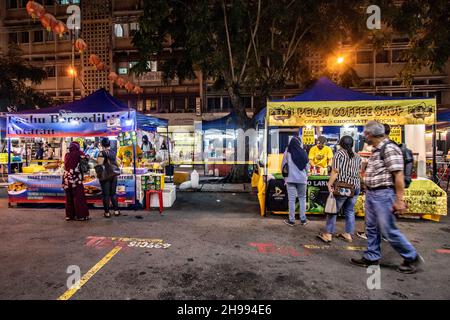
214,246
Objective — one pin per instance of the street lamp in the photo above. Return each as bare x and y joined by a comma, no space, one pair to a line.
340,60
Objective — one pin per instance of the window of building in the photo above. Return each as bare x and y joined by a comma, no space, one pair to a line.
38,36
153,66
118,30
191,104
364,57
437,95
13,38
134,27
213,104
122,71
179,104
11,4
25,37
247,102
226,103
151,104
397,55
51,72
382,57
435,81
132,64
419,82
49,36
66,2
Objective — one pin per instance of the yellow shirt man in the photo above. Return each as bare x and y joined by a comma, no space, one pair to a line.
321,155
125,155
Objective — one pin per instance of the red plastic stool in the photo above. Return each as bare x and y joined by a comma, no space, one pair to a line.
148,194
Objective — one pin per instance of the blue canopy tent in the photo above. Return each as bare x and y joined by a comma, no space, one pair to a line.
95,115
324,90
229,122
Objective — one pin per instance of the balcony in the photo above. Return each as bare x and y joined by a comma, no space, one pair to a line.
154,79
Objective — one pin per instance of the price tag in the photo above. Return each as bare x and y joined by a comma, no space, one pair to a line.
308,136
396,134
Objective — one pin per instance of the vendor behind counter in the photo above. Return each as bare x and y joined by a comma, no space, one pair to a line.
321,155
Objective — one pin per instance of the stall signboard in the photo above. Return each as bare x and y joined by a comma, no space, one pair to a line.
68,124
339,113
42,188
396,134
308,136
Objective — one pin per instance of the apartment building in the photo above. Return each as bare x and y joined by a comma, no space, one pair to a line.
108,27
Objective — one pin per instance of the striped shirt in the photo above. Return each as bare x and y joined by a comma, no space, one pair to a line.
348,168
379,172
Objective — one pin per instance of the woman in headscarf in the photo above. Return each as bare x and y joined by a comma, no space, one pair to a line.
296,165
76,205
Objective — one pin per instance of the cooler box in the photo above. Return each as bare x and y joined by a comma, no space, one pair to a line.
169,197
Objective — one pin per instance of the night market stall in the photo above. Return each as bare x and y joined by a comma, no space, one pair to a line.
326,107
85,121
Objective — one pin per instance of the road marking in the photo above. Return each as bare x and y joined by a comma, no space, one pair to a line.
125,243
69,293
443,251
270,248
328,247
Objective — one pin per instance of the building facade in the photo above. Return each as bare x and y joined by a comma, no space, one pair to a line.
108,27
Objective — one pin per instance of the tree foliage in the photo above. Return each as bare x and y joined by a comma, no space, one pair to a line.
251,45
258,46
16,78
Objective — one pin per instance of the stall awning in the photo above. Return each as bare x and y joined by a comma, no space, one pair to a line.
98,102
327,104
96,115
443,116
228,122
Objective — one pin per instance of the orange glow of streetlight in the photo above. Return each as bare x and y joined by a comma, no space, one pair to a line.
72,72
340,60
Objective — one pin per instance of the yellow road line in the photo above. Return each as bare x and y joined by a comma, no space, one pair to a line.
69,293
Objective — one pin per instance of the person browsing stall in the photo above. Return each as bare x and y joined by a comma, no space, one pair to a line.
295,167
320,156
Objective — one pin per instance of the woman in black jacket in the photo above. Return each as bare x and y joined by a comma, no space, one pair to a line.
107,158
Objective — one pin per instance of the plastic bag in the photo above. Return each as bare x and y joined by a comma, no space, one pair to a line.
330,207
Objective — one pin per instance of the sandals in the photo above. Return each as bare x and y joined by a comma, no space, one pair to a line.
83,219
322,237
342,237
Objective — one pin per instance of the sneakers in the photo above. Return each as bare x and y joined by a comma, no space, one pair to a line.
361,235
289,223
363,262
410,267
116,213
304,223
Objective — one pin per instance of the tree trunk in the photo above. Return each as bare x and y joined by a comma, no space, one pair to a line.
239,172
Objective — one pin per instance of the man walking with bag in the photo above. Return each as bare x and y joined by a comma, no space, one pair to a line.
385,186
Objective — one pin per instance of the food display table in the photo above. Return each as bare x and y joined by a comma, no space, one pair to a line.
424,198
47,188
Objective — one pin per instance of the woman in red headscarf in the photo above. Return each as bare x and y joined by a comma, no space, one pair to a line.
76,205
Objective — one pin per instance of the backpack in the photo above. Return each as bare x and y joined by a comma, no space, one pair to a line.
408,161
83,166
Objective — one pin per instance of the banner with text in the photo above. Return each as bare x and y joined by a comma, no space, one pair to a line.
67,124
339,113
42,188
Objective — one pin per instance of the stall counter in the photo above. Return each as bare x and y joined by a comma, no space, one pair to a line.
47,188
425,199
